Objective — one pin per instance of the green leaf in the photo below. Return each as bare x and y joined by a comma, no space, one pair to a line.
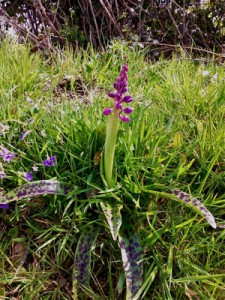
196,204
131,252
113,217
81,274
36,188
184,168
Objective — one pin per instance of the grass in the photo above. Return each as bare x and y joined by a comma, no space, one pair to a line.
176,139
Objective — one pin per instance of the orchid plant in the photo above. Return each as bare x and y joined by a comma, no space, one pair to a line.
115,213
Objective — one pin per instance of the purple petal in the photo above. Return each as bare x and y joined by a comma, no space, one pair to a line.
4,206
123,90
24,134
29,176
112,95
127,99
107,111
119,105
125,67
128,110
49,162
116,85
118,97
124,118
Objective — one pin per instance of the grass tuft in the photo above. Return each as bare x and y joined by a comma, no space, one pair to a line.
175,140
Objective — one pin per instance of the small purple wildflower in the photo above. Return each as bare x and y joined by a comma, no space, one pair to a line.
24,134
6,154
28,176
28,99
4,206
121,87
49,162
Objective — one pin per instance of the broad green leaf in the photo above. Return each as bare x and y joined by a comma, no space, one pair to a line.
113,217
196,204
35,188
82,259
131,252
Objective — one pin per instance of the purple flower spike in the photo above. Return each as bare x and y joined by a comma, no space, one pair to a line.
107,111
6,154
4,206
28,176
49,162
121,87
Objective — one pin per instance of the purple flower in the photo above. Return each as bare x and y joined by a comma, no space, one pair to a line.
28,176
24,134
28,99
121,87
4,206
124,118
127,99
128,110
107,111
6,154
49,162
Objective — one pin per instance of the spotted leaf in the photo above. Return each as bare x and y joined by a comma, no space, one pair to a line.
196,204
131,252
113,217
81,273
35,188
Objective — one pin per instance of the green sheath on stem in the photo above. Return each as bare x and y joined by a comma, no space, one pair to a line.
110,143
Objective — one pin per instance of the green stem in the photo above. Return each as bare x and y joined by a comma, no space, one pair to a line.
110,143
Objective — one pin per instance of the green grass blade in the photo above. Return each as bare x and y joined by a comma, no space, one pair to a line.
198,278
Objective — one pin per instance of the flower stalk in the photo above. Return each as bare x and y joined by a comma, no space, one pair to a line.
110,144
115,113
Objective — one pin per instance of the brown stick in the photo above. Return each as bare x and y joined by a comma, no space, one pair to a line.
13,22
96,25
179,46
111,17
